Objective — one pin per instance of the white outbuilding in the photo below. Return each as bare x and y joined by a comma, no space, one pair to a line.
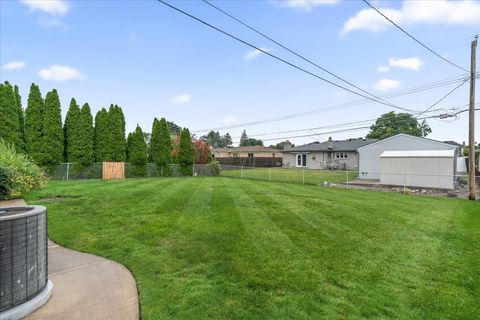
369,155
419,168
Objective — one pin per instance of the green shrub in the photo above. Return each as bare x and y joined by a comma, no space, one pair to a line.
18,174
214,168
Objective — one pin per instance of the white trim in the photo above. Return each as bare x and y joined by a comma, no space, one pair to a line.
419,154
408,136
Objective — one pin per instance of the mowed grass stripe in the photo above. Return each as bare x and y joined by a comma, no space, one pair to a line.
222,248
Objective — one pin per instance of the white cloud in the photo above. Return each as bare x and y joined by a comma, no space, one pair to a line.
53,7
52,23
230,119
253,54
60,73
413,63
417,12
383,68
14,65
305,5
386,84
182,98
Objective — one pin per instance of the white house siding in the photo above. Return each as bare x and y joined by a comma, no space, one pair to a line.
369,155
427,170
319,160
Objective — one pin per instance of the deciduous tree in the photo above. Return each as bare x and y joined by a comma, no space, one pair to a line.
391,123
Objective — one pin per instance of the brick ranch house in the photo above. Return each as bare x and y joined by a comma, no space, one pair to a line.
254,156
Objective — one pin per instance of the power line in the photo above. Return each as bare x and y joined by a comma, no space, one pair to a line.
336,125
442,98
416,89
413,38
329,132
298,54
278,58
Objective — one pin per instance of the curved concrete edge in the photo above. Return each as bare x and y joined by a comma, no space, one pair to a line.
88,287
26,308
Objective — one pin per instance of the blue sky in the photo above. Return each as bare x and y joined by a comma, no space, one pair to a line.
155,62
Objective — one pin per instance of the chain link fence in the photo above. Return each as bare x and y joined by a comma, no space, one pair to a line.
73,171
398,182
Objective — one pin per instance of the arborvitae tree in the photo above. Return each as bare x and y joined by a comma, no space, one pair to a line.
116,130
34,114
136,147
52,139
70,131
186,155
85,136
21,117
101,135
165,144
154,145
9,120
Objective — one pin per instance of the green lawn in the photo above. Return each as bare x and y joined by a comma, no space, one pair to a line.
316,177
222,248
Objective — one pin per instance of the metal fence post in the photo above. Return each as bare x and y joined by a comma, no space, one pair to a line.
269,174
68,169
241,172
404,183
161,172
303,176
347,179
193,170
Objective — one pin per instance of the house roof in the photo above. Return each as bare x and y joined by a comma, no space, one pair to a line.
335,145
246,149
407,135
453,143
419,154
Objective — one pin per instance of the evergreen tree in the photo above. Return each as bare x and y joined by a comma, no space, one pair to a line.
52,139
101,135
21,117
9,120
243,138
165,144
136,147
186,155
116,130
228,140
85,136
70,132
34,114
154,145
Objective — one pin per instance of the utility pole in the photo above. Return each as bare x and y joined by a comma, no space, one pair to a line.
471,122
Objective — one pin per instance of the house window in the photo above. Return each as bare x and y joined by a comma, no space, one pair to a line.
250,154
235,154
341,155
213,155
301,160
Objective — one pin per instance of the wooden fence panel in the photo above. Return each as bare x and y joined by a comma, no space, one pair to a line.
251,162
113,170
